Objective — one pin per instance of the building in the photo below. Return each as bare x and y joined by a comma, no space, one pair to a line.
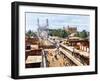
43,29
80,44
71,29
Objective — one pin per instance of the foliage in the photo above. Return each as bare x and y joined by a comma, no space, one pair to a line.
58,32
30,33
82,34
77,34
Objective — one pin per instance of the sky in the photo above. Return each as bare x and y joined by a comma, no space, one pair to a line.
57,21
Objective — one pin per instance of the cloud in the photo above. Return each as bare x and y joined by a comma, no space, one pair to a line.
57,20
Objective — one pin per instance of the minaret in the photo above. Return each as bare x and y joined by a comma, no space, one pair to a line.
38,27
47,22
38,22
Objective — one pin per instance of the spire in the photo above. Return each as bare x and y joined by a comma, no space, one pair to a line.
38,22
47,22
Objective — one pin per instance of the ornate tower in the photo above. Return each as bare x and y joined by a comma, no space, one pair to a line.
43,30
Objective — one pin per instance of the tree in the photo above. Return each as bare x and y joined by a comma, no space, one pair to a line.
77,34
65,34
30,33
83,34
58,32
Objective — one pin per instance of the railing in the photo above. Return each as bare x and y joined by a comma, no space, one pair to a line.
83,59
79,58
44,59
